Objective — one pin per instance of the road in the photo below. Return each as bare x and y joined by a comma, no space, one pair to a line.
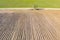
32,25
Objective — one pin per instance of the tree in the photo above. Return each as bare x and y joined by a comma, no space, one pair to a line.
36,7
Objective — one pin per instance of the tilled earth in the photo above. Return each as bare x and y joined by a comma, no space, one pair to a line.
30,25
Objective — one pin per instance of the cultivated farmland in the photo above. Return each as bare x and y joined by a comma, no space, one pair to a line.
30,25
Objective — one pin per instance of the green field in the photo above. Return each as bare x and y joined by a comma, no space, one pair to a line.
29,3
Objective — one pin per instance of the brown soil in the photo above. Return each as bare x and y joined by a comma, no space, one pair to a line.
30,25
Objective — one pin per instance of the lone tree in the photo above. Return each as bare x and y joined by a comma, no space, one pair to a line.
36,7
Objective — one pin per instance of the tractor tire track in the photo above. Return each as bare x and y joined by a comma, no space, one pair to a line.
26,26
